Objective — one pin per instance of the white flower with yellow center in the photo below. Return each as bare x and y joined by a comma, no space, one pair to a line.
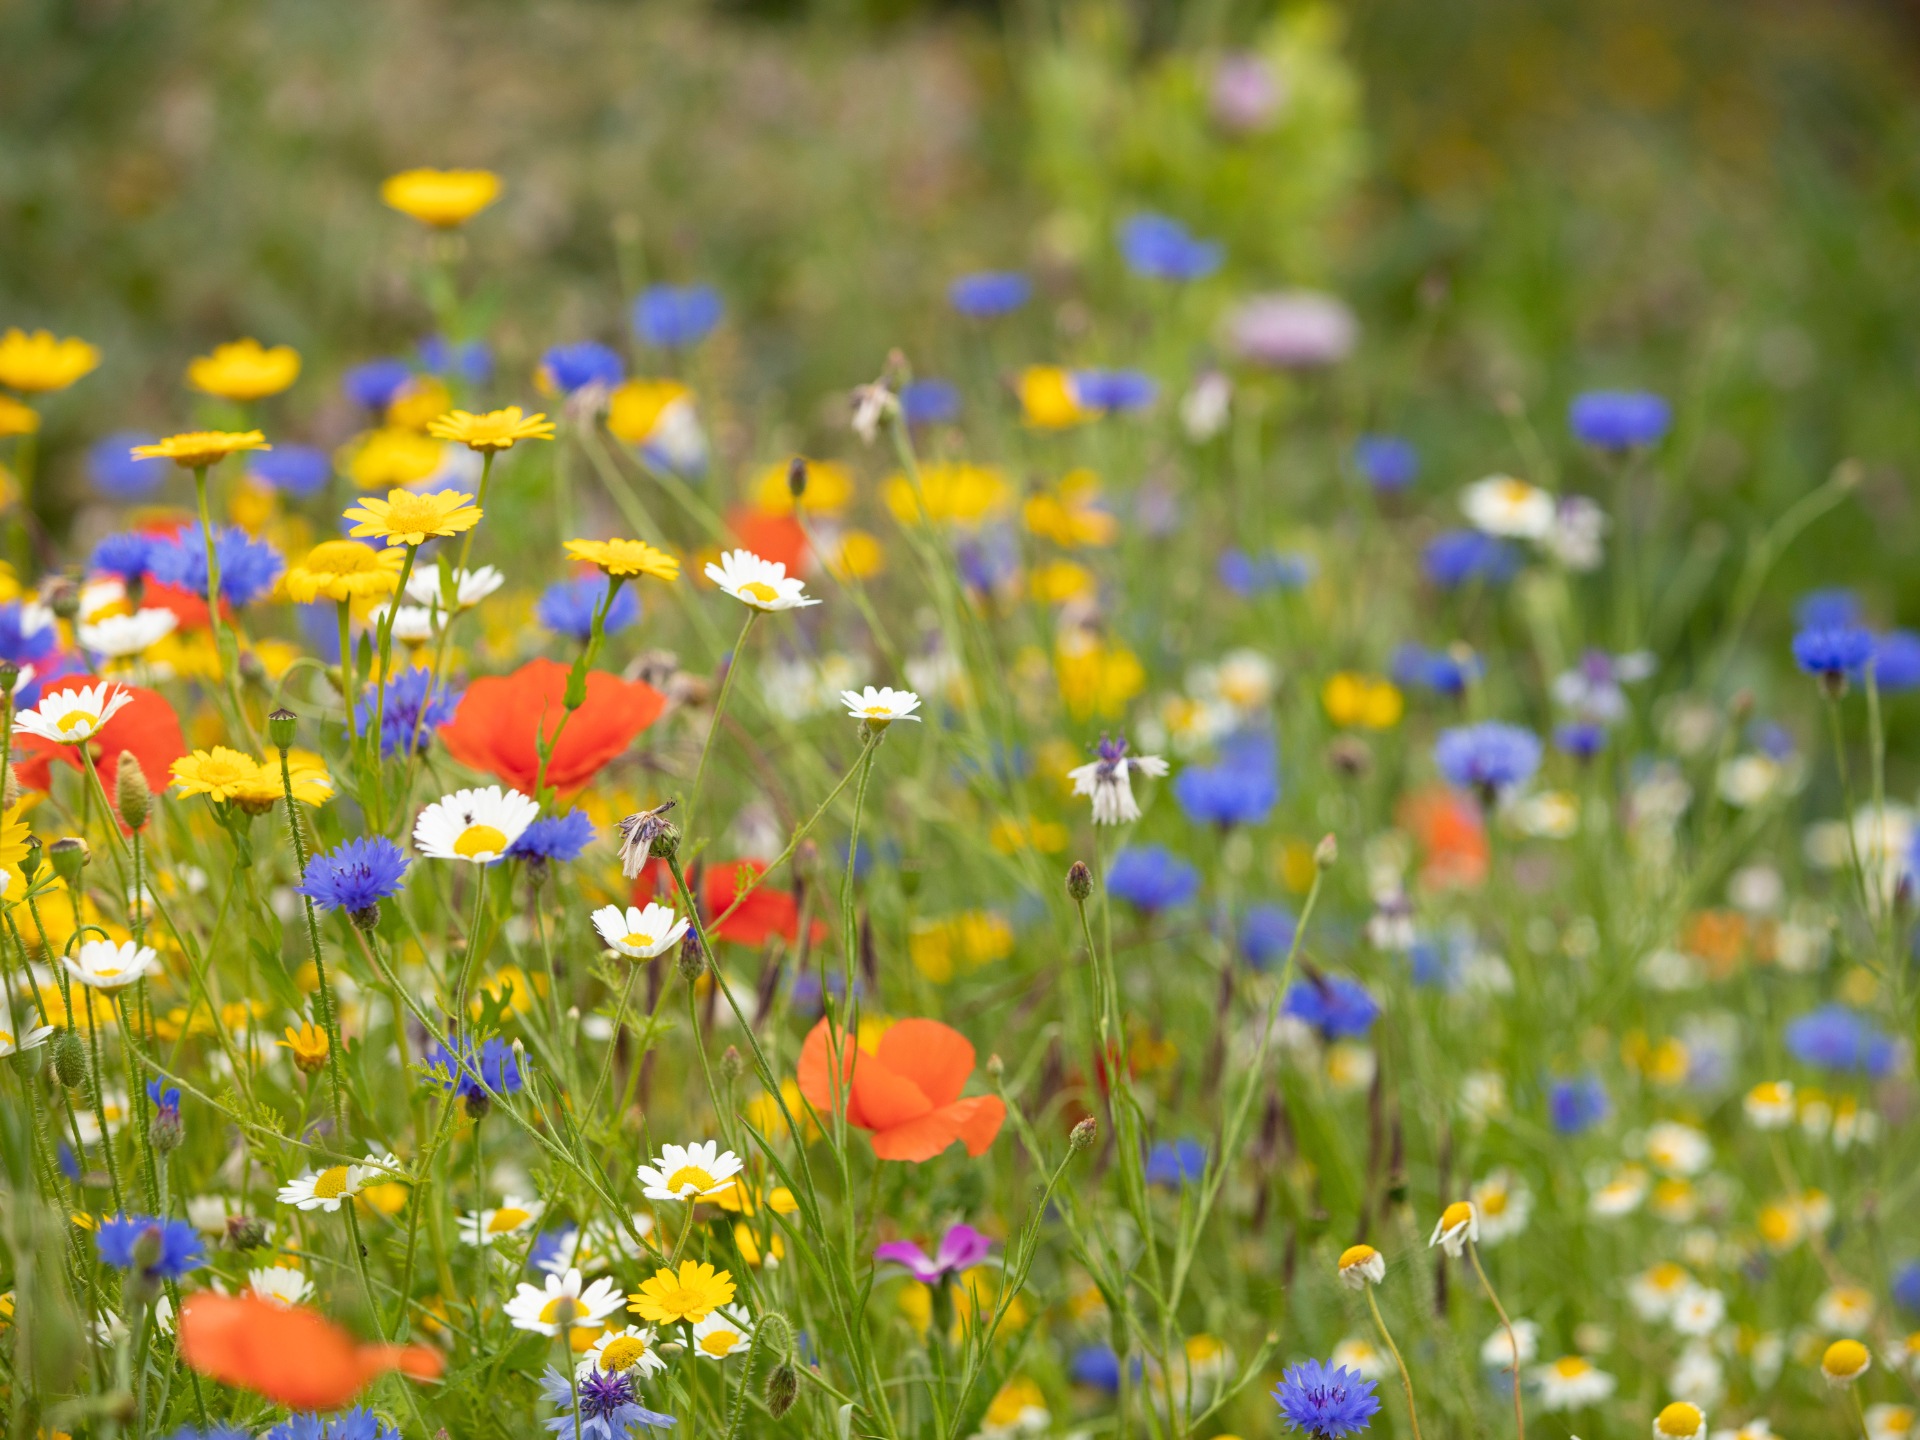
283,1285
119,636
1497,1350
470,587
1502,505
1698,1310
74,716
476,825
689,1172
1361,1266
1354,1353
412,624
763,584
880,708
514,1215
1769,1105
103,965
722,1333
1890,1422
1844,1310
33,1039
1572,1383
1682,1420
639,934
1458,1224
1654,1292
563,1304
1677,1149
626,1347
1503,1204
327,1189
1758,1428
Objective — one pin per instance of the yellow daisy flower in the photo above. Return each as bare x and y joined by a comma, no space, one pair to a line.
17,419
40,362
492,432
245,370
958,494
829,488
388,457
309,1045
625,557
419,402
692,1295
343,570
311,783
404,518
441,198
1047,399
220,774
197,449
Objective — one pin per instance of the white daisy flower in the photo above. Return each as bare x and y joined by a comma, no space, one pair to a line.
639,934
103,965
1109,781
1458,1224
880,708
118,636
1678,1149
1502,505
114,1102
1698,1311
1654,1292
412,624
763,584
1844,1310
1572,1383
563,1302
628,1347
689,1172
1361,1266
327,1189
1769,1105
722,1333
208,1213
11,1044
1503,1203
1497,1350
1620,1194
483,1227
1354,1353
470,587
1889,1422
281,1284
477,825
73,716
1759,1428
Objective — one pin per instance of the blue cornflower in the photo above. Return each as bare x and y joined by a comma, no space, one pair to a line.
359,1423
1112,392
1246,575
1095,1365
1152,877
128,555
1577,1105
1266,934
469,360
568,607
1324,1402
554,837
1487,757
990,293
1339,1008
356,877
297,470
1619,419
1161,248
1582,739
1906,1286
609,1407
1896,660
494,1071
374,384
929,402
1174,1162
1241,790
416,708
1834,608
1836,1038
1387,462
114,471
165,1097
988,560
585,362
212,1432
676,316
310,1426
159,1249
1459,557
1833,654
1445,672
25,637
248,567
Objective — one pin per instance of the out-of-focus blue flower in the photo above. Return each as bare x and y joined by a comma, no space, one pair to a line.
1248,575
1112,392
1489,756
359,1423
554,837
1460,557
1835,653
1576,1105
988,560
297,470
1906,1286
356,876
1266,934
567,607
990,293
1326,1402
676,316
1386,462
158,1248
1161,248
1582,739
470,360
1338,1008
1619,419
1095,1365
1445,672
1841,1040
929,402
1834,608
212,1432
1773,740
1896,660
116,475
584,362
494,1069
1152,878
129,555
374,384
26,636
1174,1163
415,709
320,629
1241,790
248,567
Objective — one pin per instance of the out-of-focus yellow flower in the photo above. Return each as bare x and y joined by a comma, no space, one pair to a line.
244,370
763,1113
252,506
1097,680
625,558
979,1295
510,986
404,518
312,785
441,198
1059,582
344,570
956,494
1296,867
198,449
13,846
1019,1405
389,457
1047,399
383,1197
942,948
853,554
16,418
1367,701
419,402
749,1246
39,362
309,1046
1068,515
1010,837
637,408
829,489
492,432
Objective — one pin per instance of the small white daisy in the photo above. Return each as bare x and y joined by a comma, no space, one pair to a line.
1844,1310
1361,1266
689,1172
477,825
73,716
563,1302
1458,1224
103,965
514,1214
1572,1383
33,1039
722,1333
327,1189
470,587
1502,505
627,1347
412,624
1655,1291
763,584
880,708
1769,1105
1677,1149
1497,1350
1698,1310
281,1284
1354,1353
118,636
1503,1204
639,934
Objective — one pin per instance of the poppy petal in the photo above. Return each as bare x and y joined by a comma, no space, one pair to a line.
883,1098
937,1058
975,1121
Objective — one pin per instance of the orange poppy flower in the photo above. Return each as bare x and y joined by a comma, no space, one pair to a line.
765,912
906,1091
1452,836
501,718
773,537
147,728
293,1357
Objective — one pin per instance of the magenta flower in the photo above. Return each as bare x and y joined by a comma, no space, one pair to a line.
961,1248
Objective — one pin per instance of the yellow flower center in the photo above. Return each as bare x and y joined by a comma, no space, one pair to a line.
6,1039
550,1312
623,1352
480,840
1679,1419
1493,1202
761,591
106,972
1456,1215
692,1175
74,720
719,1342
506,1219
637,940
1570,1367
330,1184
1355,1255
414,512
875,712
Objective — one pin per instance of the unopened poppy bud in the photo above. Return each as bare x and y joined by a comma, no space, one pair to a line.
731,1065
1083,1134
132,796
783,1388
30,862
70,1059
245,1232
69,857
9,677
996,1067
693,960
1326,852
63,598
797,477
1079,880
282,726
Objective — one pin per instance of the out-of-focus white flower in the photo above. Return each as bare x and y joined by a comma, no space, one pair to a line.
1502,505
1577,538
1206,405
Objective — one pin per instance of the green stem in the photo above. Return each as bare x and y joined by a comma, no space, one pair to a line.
328,1021
719,710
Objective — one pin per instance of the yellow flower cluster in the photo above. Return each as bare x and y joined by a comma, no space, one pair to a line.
232,777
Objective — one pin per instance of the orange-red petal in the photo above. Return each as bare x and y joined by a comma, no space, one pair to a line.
293,1357
936,1058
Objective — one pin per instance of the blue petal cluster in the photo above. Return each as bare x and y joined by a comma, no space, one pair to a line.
1241,790
1461,557
1837,1039
1489,756
1619,419
1161,248
1151,878
584,362
1386,462
1336,1007
554,837
301,471
567,607
248,567
357,876
374,384
989,293
1326,1402
1833,653
174,1247
495,1070
676,316
415,709
1576,1105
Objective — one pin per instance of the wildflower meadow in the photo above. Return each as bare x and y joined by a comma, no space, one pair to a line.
1116,844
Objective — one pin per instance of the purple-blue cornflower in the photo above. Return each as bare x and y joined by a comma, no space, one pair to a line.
989,293
1489,757
610,1408
1336,1007
1619,419
1152,878
415,709
1247,575
1576,1105
154,1247
1266,934
1834,653
297,470
373,385
495,1070
248,567
676,316
1460,557
567,607
114,471
128,555
1896,660
1582,739
356,877
1173,1163
583,363
1325,1402
961,1248
1161,248
1833,608
469,360
1841,1040
26,636
1386,462
929,402
1241,790
554,837
1444,672
1112,392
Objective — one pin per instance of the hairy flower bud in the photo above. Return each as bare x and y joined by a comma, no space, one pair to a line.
693,960
166,1132
282,726
1079,880
783,1388
245,1232
1083,1134
9,677
132,796
732,1065
70,1058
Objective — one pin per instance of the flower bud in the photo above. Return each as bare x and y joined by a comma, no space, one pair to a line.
1326,852
665,843
252,669
9,677
62,597
244,1232
30,862
797,476
70,1058
693,960
731,1064
166,1132
69,856
282,726
478,1103
1083,1134
367,919
783,1388
132,796
1079,880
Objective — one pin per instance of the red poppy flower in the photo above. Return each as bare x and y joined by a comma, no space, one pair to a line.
765,912
147,729
1451,833
501,718
188,608
907,1092
773,537
292,1356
